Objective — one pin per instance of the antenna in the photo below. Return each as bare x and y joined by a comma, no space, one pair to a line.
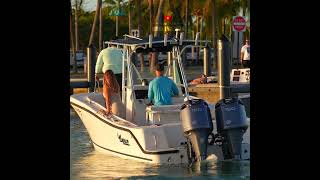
165,40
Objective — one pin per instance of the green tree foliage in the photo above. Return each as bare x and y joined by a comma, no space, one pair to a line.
176,8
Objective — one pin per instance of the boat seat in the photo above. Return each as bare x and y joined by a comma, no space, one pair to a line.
163,114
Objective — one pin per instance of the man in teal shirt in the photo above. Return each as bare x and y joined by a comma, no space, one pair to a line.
110,58
161,88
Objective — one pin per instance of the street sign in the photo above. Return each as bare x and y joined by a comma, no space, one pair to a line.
239,23
116,12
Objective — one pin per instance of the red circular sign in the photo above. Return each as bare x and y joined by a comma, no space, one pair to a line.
239,23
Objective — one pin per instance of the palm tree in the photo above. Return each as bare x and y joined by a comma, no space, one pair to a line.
100,30
159,18
138,3
176,7
151,63
139,16
159,23
114,5
99,2
186,18
214,33
150,15
72,42
129,16
77,4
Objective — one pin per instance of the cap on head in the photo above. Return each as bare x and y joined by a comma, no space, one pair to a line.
159,67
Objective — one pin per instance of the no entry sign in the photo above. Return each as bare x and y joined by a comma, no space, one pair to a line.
239,23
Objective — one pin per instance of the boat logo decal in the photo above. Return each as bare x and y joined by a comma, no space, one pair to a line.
229,108
124,141
196,109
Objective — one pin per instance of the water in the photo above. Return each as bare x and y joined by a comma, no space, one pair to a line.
86,163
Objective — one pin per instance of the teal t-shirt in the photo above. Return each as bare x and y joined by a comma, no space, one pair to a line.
160,91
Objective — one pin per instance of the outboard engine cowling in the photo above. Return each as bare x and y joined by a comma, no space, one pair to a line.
197,125
232,123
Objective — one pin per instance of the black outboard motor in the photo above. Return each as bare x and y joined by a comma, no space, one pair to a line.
231,125
197,125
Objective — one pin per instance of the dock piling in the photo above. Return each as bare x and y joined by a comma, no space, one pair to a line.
206,61
91,56
224,67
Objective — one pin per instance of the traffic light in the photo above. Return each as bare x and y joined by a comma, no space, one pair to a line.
168,18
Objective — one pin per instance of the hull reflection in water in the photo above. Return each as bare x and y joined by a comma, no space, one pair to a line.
96,165
99,165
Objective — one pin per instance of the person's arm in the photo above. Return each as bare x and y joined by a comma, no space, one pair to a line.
150,92
174,89
242,53
196,81
99,63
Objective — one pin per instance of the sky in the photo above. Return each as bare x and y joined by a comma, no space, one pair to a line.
90,5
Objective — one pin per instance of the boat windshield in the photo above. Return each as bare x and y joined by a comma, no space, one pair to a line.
142,73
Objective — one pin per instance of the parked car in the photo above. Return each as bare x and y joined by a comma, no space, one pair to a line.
80,58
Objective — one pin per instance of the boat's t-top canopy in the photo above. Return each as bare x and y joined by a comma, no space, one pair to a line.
132,77
156,44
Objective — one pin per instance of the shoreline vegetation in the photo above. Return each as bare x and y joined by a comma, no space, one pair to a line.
190,16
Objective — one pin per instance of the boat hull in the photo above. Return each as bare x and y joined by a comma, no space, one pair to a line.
108,137
165,144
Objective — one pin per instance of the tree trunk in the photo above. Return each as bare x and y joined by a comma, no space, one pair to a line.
129,17
150,30
141,57
176,12
101,30
72,44
159,18
139,18
94,22
186,21
214,33
159,23
76,25
197,49
117,20
150,16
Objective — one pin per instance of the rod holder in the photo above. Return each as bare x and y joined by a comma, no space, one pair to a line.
165,40
181,38
177,32
150,40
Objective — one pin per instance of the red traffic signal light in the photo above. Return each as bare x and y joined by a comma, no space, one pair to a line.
167,18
